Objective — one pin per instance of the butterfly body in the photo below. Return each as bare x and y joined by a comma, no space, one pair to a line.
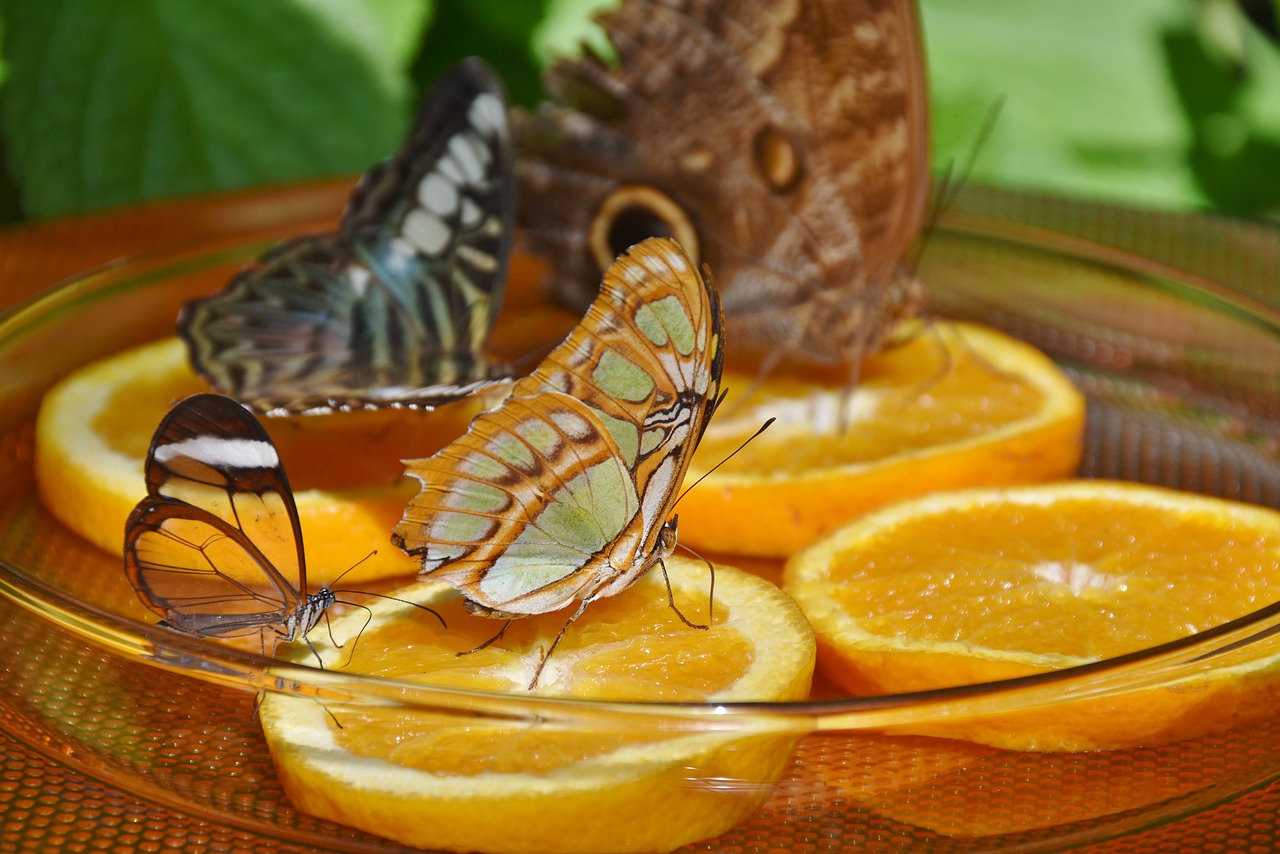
562,494
783,143
215,548
395,308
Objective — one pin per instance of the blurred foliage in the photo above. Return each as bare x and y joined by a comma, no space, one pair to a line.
498,30
111,101
1167,103
10,209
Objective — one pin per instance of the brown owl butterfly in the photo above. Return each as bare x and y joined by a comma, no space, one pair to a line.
782,142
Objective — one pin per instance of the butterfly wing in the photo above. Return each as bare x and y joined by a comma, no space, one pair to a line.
784,144
396,308
218,509
562,492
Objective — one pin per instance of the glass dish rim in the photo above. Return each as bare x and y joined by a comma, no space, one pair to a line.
154,645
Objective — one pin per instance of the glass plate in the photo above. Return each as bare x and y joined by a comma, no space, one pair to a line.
1181,378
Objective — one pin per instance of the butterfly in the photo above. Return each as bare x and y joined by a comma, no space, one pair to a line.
562,493
784,144
215,545
394,309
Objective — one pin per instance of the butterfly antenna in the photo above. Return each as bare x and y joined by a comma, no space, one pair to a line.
953,181
745,442
353,566
432,611
980,142
715,404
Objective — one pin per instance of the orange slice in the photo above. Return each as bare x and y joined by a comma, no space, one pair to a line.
980,585
94,428
465,783
959,405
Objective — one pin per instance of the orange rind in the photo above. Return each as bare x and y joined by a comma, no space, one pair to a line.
957,405
460,783
981,585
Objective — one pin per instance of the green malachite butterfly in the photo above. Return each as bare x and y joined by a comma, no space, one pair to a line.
562,494
395,308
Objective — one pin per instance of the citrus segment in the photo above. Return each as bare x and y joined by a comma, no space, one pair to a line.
981,585
958,405
624,783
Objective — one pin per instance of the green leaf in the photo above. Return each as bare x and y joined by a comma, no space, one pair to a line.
1143,102
9,193
567,26
387,33
1088,104
113,101
1229,100
4,66
496,30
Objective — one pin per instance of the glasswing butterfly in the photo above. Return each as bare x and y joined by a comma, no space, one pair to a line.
215,549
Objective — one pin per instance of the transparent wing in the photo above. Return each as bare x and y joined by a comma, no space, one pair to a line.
185,565
216,546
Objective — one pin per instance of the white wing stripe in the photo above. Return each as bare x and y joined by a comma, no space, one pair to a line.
221,453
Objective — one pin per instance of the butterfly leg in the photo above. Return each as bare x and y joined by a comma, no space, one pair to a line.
537,673
502,631
275,644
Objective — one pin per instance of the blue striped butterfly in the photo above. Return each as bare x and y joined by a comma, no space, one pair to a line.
395,308
215,548
562,494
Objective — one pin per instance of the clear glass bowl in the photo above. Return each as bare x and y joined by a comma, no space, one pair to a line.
1183,381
